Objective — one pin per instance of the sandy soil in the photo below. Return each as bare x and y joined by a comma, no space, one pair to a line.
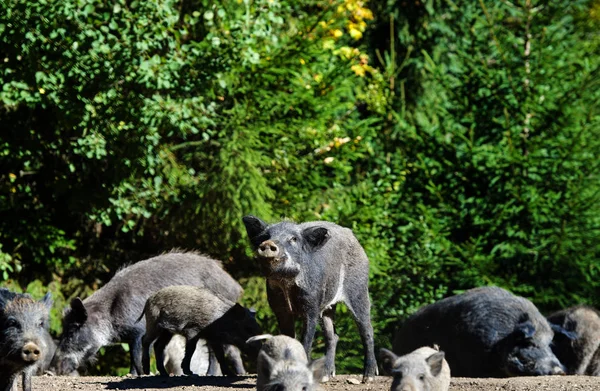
339,383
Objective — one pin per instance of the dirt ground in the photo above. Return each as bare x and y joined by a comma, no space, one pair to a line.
339,383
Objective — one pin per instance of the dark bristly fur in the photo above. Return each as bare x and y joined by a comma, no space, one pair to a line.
485,332
310,267
23,323
109,315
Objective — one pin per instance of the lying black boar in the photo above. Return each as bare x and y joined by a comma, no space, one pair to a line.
485,332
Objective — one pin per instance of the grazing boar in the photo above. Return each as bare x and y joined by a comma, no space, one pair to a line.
577,339
485,332
310,267
23,323
195,313
424,369
109,315
282,365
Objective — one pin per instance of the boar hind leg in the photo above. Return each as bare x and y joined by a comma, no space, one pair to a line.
190,348
331,340
135,351
213,364
147,340
235,359
159,351
217,348
360,306
27,379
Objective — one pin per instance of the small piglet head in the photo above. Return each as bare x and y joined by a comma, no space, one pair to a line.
290,375
239,325
421,370
78,343
527,352
23,322
284,247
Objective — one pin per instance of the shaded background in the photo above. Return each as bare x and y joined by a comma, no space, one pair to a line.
459,141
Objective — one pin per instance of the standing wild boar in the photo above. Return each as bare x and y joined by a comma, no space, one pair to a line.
485,332
309,268
282,365
195,313
23,323
577,339
425,369
109,315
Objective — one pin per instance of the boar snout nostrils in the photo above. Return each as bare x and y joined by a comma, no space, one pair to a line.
268,249
31,352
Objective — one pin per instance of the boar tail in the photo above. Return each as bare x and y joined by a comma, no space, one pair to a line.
142,315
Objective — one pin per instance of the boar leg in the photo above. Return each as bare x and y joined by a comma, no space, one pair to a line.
331,340
310,326
212,362
283,311
235,359
147,340
360,306
27,380
159,351
220,354
190,348
135,352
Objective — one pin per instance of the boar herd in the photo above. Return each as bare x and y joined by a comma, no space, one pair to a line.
185,307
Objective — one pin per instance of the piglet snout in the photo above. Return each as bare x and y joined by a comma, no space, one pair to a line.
30,352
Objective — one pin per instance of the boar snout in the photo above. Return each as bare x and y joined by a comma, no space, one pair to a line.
268,249
30,352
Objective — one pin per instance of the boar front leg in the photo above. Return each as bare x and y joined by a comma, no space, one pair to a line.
282,307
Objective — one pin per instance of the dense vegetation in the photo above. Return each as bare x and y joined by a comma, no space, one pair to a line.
459,140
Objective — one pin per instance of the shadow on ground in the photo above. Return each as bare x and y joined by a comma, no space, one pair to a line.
147,382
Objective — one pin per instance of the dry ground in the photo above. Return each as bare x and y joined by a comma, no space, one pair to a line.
339,383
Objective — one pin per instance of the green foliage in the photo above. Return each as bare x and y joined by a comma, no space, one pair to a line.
462,150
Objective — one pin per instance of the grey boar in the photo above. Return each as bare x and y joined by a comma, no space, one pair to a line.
577,339
424,369
282,365
109,315
485,332
310,267
23,321
195,313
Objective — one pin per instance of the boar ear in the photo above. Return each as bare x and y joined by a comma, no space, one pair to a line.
316,236
317,367
435,362
78,311
254,226
524,330
559,330
47,300
387,359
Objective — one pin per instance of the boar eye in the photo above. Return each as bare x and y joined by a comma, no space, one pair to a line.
422,377
293,239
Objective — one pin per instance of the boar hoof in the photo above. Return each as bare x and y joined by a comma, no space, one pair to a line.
368,379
